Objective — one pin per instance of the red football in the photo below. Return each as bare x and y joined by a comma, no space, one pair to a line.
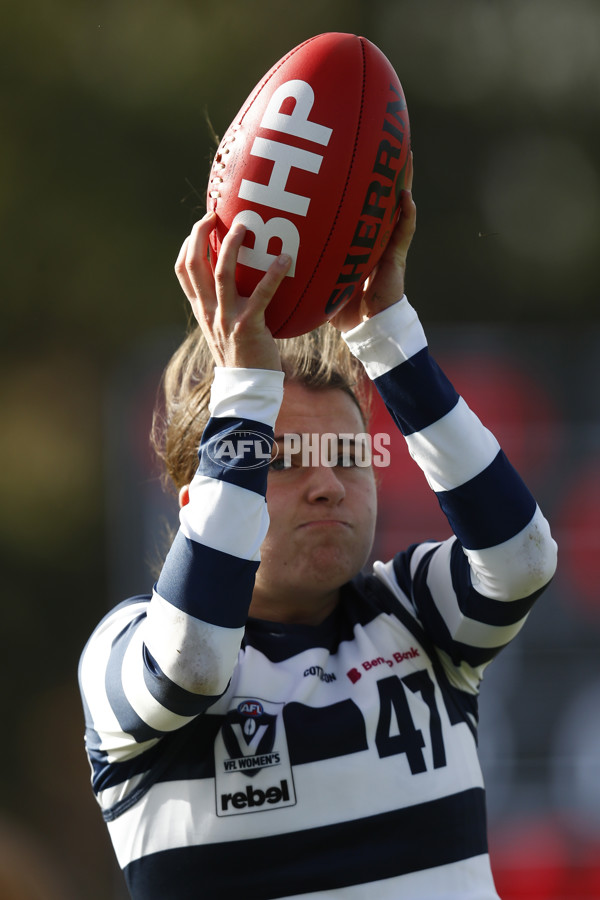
313,165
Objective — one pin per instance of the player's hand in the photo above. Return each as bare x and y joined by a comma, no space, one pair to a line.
385,285
234,326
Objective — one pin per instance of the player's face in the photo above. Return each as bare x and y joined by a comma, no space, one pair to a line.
322,518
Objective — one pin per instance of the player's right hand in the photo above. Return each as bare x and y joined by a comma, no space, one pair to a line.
234,326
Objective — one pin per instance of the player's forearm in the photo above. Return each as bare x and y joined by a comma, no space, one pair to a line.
196,622
487,504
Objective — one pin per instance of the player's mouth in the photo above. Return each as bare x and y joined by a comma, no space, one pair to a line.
325,523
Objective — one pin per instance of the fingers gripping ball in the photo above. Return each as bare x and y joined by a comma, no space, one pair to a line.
313,165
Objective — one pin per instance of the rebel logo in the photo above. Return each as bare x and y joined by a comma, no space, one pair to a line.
253,797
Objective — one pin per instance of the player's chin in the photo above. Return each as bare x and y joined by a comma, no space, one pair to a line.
332,565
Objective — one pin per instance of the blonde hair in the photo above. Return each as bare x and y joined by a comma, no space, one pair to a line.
318,360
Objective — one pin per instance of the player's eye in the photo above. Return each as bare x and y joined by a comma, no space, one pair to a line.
279,463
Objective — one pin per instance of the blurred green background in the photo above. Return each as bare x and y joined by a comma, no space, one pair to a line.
105,149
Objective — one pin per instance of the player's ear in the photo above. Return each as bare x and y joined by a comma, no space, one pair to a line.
184,496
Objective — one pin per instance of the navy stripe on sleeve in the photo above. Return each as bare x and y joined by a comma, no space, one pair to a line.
489,508
237,451
107,775
127,718
417,393
179,755
208,584
170,695
439,633
431,618
484,609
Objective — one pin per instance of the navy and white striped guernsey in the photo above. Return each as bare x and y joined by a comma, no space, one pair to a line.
238,757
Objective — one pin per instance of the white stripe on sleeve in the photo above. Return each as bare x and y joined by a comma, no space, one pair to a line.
247,393
454,449
225,517
196,655
517,567
462,628
143,703
384,341
113,740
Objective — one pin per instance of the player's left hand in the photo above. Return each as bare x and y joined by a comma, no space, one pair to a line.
385,285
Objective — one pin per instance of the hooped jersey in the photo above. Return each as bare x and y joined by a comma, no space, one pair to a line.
329,761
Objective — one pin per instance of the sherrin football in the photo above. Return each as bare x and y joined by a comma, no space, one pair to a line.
313,165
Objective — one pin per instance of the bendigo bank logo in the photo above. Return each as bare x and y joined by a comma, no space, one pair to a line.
399,656
250,747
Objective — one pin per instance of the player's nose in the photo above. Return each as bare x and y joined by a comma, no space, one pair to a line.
324,484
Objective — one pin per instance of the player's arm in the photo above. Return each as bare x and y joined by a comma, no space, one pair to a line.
153,666
473,592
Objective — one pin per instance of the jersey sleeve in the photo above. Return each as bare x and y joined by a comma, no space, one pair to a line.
473,592
155,663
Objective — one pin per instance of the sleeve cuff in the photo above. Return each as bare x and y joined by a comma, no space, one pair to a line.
247,394
387,339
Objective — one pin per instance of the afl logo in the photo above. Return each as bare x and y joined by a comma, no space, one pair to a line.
250,708
242,449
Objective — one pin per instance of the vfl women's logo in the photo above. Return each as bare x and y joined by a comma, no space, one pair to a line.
249,736
252,763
